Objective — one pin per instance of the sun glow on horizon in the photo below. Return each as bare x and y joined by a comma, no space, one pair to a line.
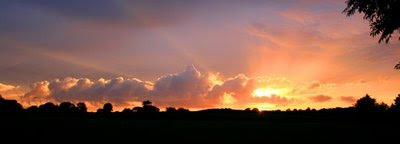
262,106
266,92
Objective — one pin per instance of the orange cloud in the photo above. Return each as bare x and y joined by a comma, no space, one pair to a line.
5,87
194,89
10,91
189,88
348,99
321,98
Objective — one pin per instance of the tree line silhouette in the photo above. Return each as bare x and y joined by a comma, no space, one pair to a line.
365,121
364,105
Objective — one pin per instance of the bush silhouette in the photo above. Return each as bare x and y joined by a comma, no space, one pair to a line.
100,111
170,110
255,110
183,110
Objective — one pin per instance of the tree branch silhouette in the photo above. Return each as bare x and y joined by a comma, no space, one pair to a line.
383,16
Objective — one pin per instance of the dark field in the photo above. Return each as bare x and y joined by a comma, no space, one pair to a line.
366,122
198,127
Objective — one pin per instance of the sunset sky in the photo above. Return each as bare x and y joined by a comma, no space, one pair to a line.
268,54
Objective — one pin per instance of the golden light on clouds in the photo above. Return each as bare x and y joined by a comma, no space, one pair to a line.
228,99
265,92
215,80
269,91
262,106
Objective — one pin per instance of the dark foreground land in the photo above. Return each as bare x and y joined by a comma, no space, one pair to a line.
199,127
365,122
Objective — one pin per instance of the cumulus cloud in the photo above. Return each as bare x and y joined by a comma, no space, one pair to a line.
189,88
241,89
235,85
117,90
39,92
321,98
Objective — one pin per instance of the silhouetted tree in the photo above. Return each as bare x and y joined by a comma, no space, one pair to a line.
148,108
151,109
107,108
397,100
366,104
67,107
255,110
147,102
382,107
137,109
48,108
81,107
396,105
383,15
9,106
